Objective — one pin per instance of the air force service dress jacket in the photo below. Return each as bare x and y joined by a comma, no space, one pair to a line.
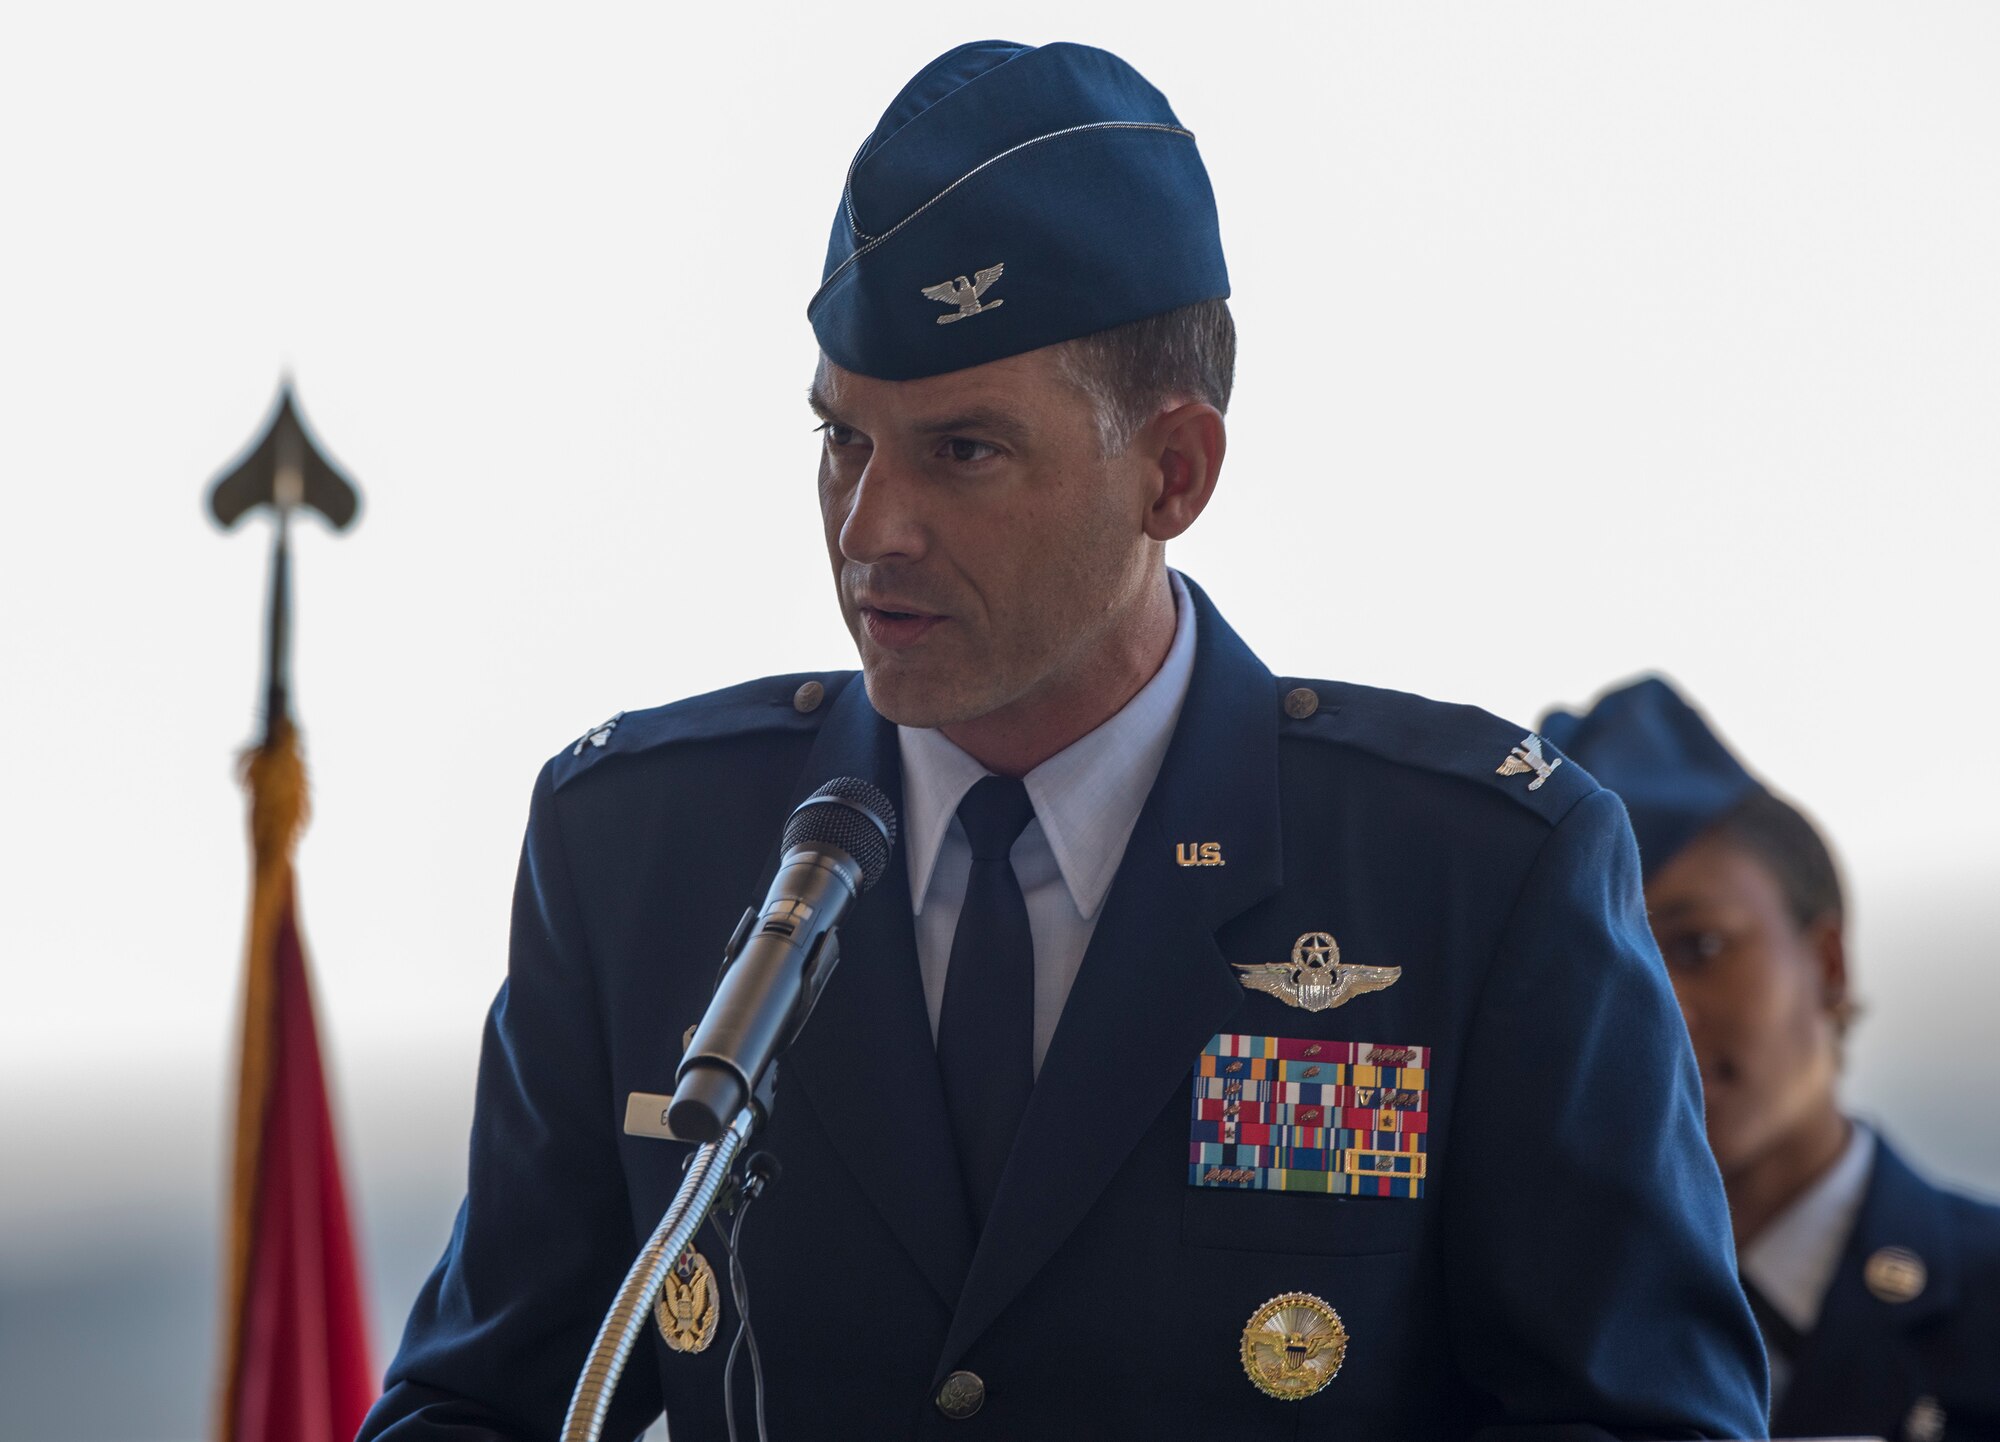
1907,1345
1561,1267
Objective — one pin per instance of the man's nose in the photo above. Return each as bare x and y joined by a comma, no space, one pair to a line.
882,522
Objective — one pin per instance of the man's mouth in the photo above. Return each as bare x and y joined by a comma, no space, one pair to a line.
896,629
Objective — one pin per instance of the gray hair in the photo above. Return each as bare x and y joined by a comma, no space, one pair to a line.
1132,371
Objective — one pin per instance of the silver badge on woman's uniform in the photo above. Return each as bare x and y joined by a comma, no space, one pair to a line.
1316,979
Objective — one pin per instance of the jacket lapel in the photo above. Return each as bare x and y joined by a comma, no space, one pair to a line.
865,1063
1857,1371
1154,986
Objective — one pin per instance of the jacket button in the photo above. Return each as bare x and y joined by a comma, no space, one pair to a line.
1896,1274
1301,702
1926,1421
806,699
961,1395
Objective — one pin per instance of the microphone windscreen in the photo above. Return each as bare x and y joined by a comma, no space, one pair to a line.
850,814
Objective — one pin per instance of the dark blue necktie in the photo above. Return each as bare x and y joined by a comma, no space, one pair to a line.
986,1032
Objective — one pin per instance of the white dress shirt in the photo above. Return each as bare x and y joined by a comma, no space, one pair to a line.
1793,1259
1087,799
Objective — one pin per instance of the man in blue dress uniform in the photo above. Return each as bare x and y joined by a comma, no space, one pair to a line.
1223,1054
1878,1293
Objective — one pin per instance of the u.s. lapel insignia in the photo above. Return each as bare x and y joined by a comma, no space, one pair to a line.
689,1305
597,735
1293,1345
1316,979
965,293
1528,757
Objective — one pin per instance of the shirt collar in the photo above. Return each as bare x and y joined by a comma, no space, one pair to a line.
1087,796
1793,1259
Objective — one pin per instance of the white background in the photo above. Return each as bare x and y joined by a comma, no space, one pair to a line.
1578,339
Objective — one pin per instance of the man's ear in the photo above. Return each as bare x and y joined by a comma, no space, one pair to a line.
1186,443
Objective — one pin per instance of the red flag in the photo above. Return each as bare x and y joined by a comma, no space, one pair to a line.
295,1362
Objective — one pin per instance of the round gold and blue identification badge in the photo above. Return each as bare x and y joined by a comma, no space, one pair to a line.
1293,1345
689,1304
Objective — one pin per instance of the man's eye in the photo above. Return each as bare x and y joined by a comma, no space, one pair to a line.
963,451
837,434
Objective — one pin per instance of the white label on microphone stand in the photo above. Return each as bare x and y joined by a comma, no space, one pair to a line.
646,1116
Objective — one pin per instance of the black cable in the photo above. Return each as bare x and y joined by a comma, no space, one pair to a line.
727,1243
735,1269
739,1286
759,1172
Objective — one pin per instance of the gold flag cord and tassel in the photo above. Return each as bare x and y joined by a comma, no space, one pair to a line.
274,776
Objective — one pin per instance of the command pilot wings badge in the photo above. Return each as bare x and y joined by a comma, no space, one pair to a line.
1528,757
965,293
1316,979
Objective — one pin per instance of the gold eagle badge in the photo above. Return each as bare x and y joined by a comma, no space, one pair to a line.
689,1306
1293,1345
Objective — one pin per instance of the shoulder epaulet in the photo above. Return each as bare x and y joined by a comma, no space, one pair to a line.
770,705
1437,736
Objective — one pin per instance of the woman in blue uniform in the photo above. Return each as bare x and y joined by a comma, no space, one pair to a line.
1878,1292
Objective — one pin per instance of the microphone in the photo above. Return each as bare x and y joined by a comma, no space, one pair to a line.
836,845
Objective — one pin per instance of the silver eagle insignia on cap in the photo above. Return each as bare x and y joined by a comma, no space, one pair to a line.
965,293
1316,979
1528,757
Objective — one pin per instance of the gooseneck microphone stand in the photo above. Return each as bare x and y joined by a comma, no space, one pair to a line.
626,1321
836,845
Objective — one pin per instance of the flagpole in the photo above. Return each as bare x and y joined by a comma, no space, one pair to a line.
294,1364
278,630
287,494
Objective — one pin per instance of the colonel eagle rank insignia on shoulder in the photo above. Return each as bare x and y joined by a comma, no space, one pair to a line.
770,705
597,735
1525,757
1465,742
